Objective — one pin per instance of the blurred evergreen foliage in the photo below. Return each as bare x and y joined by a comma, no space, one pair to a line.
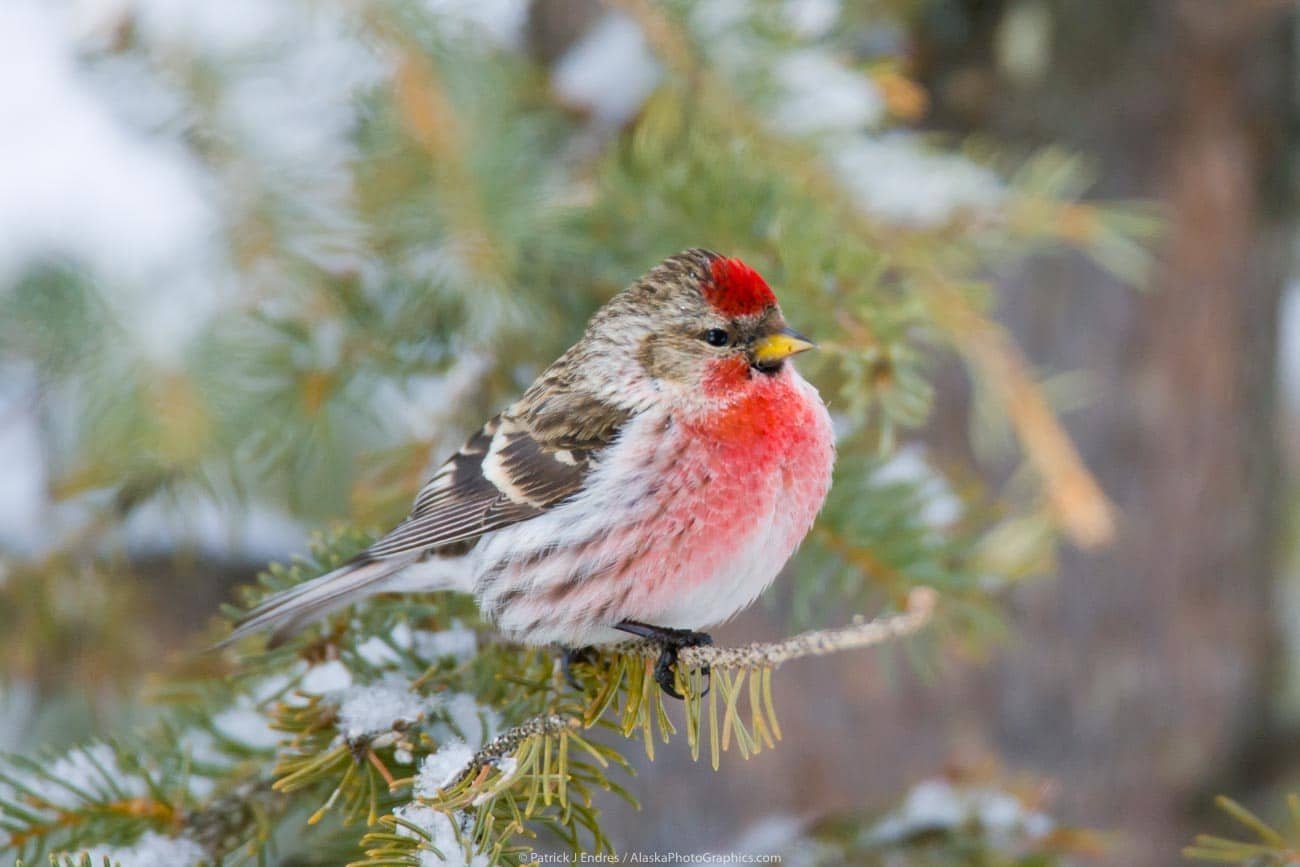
1268,844
443,234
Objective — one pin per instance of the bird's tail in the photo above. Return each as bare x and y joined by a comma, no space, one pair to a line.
290,610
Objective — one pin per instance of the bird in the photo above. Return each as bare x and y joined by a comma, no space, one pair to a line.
651,482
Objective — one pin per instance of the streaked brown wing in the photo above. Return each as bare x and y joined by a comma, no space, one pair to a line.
506,473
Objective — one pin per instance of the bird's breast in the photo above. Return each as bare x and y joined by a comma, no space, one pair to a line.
686,519
747,484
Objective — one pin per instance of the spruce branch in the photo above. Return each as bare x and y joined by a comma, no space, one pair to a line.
431,117
1271,845
645,702
542,771
819,642
508,742
1077,499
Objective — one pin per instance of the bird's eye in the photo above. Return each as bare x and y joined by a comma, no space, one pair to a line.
716,337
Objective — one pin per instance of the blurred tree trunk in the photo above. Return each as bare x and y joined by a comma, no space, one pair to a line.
1146,671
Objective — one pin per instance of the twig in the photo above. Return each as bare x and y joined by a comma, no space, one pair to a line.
821,642
920,610
509,740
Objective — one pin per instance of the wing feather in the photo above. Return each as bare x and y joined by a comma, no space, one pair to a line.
504,474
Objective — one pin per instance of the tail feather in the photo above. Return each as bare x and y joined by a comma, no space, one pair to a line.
289,611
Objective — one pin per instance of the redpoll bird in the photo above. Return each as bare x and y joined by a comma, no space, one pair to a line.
652,481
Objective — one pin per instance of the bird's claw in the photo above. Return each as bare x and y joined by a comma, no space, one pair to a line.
672,641
666,665
665,675
572,656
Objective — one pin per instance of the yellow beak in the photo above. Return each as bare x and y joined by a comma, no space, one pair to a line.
780,345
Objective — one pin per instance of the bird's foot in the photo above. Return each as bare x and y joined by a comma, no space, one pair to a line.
672,641
572,656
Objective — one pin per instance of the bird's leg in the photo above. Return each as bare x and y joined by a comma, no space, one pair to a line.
571,656
672,641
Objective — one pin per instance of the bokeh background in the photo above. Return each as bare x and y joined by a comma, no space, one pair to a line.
262,261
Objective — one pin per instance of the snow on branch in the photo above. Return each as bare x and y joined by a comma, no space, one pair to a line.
508,741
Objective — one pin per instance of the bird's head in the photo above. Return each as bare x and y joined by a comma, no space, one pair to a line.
701,325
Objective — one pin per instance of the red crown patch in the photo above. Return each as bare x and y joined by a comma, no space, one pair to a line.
737,289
